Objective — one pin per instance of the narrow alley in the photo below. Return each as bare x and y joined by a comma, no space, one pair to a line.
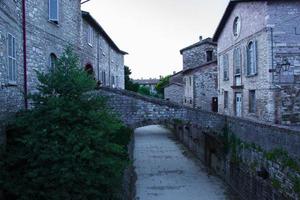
167,171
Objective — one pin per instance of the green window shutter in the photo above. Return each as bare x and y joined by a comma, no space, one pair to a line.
255,57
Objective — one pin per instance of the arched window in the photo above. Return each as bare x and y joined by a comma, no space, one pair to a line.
52,61
236,26
89,69
237,61
251,58
237,65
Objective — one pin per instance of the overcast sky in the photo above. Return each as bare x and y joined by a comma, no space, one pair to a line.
153,31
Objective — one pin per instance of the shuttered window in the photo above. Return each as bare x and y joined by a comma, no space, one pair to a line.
225,67
252,58
53,10
12,61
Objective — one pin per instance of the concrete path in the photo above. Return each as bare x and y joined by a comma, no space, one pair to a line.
165,171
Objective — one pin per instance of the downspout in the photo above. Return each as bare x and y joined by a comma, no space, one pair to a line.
109,78
24,52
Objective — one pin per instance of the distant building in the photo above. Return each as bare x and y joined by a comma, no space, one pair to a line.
201,87
200,75
150,83
174,90
259,60
199,53
101,54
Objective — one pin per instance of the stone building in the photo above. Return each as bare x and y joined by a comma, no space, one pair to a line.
101,54
200,75
11,60
49,26
149,83
259,60
201,87
174,90
199,53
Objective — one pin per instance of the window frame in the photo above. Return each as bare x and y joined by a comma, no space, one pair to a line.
12,70
52,64
237,25
252,101
251,64
54,20
90,35
225,63
226,99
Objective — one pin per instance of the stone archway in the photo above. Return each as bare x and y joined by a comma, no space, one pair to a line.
89,69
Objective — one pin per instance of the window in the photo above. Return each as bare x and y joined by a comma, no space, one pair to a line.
117,81
252,101
251,59
53,11
237,64
209,56
190,81
52,61
225,68
225,99
90,36
103,78
12,61
236,26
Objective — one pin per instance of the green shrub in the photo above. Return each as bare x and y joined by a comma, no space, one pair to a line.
68,146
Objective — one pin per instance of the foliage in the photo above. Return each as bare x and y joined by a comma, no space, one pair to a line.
129,84
164,81
144,90
68,146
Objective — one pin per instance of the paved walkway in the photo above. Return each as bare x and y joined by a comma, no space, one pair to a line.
165,171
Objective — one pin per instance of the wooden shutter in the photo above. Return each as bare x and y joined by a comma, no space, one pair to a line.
255,57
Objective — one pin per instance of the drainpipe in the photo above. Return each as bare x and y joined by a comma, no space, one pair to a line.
24,52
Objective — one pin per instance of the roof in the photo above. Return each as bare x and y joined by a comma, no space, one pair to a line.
173,83
205,41
199,67
88,17
146,81
227,14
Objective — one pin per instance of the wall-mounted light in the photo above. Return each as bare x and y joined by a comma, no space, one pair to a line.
284,66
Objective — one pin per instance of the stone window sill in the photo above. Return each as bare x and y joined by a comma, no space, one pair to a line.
55,23
251,75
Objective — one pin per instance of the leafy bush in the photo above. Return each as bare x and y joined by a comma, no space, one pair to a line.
68,146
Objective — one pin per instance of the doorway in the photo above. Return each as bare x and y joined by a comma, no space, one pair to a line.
214,104
238,104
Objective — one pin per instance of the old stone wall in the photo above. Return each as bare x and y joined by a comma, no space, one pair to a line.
205,85
11,98
283,19
45,37
174,93
108,63
195,55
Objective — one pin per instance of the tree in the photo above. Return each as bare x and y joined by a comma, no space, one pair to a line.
129,84
144,90
164,81
68,146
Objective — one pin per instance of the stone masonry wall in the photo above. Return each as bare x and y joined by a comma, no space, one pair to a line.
105,60
205,86
174,93
196,56
253,28
11,98
46,37
283,19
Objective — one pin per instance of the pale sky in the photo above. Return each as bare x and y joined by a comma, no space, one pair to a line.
153,31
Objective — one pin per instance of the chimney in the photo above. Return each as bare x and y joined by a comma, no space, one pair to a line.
200,38
174,72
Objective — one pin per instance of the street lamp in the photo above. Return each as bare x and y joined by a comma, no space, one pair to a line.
284,66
